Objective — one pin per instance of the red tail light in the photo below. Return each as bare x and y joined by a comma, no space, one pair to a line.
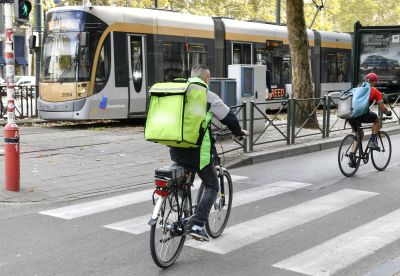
161,183
161,192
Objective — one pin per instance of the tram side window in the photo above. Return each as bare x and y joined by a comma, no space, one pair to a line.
121,59
196,54
103,65
281,68
344,67
335,66
173,56
137,62
241,53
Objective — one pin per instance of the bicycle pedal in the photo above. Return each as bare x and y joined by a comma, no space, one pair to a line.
199,239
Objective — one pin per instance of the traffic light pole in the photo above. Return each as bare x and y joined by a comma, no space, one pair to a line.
11,130
38,30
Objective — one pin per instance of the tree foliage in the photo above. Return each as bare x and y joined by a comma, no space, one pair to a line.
340,15
337,15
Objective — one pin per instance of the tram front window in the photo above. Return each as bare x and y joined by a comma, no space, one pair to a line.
60,56
68,49
67,57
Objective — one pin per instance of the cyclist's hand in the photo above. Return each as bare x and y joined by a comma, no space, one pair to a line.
389,113
242,134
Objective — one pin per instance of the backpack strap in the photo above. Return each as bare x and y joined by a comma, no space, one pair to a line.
198,81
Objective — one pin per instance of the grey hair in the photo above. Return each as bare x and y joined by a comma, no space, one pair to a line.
200,71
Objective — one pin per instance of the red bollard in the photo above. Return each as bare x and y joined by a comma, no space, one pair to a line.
11,157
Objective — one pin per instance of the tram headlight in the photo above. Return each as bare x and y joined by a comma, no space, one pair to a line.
82,93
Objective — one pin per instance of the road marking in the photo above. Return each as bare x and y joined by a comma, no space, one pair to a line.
346,249
106,204
138,225
263,227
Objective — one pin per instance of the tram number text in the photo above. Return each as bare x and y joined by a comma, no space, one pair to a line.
278,93
66,95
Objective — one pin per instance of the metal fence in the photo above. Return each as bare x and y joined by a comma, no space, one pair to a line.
25,102
288,127
311,118
220,130
273,122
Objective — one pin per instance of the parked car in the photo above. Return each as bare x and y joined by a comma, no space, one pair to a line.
24,80
25,85
379,62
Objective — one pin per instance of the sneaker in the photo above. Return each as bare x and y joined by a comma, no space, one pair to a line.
198,233
373,145
352,163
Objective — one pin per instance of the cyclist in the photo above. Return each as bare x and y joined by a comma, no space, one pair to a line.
370,117
199,159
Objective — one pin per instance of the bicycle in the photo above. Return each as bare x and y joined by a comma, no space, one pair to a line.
173,212
351,151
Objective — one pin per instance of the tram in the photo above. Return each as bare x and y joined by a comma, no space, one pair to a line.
99,62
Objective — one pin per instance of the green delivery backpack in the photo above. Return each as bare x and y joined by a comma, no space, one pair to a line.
177,113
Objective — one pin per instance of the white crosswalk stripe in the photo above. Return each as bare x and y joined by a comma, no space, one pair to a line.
346,249
139,225
251,231
106,204
326,258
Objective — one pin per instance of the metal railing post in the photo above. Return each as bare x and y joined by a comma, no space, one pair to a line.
328,115
288,121
244,116
293,121
324,116
251,130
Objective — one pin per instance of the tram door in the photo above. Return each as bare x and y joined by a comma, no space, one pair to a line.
137,73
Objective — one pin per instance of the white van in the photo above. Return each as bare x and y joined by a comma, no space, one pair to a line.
24,80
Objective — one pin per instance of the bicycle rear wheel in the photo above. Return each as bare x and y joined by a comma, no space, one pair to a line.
165,243
221,209
381,158
349,145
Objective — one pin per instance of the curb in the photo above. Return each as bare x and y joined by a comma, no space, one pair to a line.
24,122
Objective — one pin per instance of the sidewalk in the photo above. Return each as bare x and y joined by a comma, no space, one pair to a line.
67,162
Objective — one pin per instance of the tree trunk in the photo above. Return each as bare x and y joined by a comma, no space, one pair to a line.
301,73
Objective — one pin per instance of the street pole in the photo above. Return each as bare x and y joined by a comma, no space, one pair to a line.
11,131
38,32
278,12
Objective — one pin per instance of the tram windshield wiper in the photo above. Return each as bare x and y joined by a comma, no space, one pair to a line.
73,62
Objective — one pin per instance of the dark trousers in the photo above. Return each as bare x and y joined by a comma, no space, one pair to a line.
209,177
369,117
190,158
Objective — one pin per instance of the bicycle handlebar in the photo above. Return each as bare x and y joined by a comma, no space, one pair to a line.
226,132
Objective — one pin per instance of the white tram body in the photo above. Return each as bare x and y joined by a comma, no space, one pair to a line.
99,62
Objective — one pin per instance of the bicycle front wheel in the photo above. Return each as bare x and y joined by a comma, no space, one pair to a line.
165,241
221,209
347,148
381,158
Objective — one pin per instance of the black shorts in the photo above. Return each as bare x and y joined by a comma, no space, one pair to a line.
369,117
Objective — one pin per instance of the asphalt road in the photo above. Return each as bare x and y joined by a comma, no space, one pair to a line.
297,216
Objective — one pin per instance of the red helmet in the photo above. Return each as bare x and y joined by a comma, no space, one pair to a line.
372,77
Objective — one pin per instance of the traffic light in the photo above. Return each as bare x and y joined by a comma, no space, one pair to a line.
22,9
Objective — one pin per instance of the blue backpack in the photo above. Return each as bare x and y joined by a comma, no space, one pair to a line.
354,102
360,99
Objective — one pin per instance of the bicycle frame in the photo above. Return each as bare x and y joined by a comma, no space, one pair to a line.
364,154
